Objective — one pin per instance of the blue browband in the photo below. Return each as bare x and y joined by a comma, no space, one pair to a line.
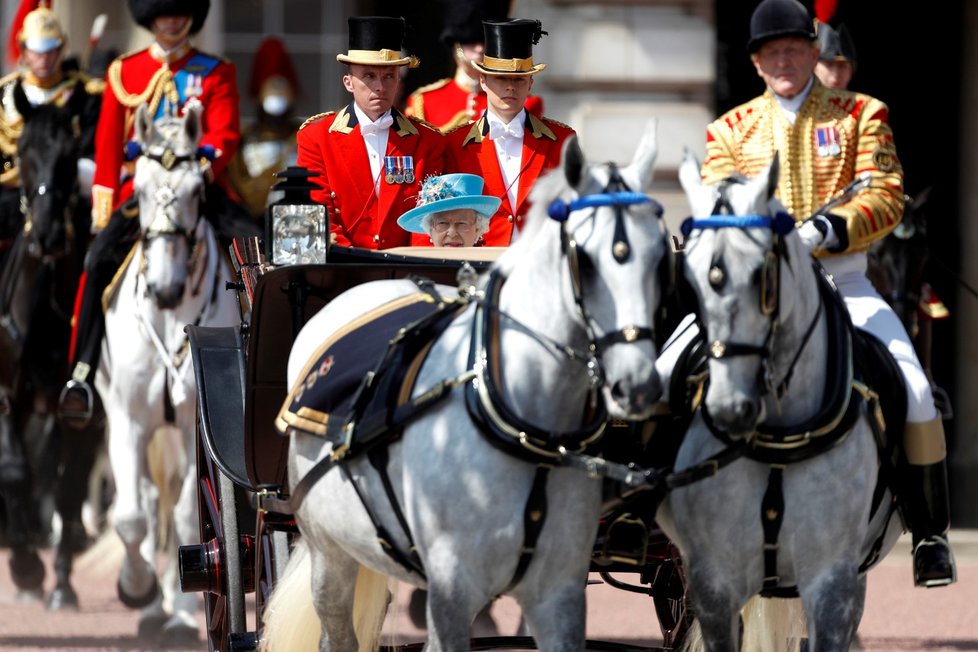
560,210
781,223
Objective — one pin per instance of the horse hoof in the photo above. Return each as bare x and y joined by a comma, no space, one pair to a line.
137,601
27,571
178,635
29,596
63,600
151,626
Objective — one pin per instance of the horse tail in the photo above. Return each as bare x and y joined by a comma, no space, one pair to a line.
167,464
773,624
370,600
693,640
290,620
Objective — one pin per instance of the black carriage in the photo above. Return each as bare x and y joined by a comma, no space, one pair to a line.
241,460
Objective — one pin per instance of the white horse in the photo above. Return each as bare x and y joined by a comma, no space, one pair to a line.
787,507
174,276
565,316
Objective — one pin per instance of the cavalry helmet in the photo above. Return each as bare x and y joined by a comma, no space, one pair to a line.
41,31
777,19
144,12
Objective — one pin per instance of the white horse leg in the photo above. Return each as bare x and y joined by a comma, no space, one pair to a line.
834,605
137,584
557,623
717,611
334,579
182,624
449,613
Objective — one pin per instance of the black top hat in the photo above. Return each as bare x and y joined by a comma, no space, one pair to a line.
835,45
463,19
777,19
509,47
144,12
377,41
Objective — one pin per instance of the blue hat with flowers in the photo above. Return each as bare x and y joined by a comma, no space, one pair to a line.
449,192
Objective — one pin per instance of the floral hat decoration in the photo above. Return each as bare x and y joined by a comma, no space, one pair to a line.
448,192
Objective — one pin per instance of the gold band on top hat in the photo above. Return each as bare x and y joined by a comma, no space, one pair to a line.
379,58
509,65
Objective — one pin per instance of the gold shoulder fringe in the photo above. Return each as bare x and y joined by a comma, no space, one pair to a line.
318,116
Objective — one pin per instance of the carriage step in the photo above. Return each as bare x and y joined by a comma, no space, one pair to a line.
243,642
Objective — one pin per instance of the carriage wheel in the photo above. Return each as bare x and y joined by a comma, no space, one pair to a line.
224,596
274,534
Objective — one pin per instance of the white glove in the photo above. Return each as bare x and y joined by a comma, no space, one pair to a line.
817,233
86,174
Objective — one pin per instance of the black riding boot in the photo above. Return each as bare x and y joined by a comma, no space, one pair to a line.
928,511
77,400
105,255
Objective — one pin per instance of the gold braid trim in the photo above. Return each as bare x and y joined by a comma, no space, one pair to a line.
159,84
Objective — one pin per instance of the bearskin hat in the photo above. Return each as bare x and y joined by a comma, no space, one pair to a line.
145,12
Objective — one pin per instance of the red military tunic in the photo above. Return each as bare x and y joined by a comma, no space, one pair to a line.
470,150
449,103
332,145
143,77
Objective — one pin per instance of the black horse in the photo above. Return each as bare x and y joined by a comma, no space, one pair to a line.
42,463
896,268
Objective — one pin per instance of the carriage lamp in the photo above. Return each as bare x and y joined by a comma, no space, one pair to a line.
296,228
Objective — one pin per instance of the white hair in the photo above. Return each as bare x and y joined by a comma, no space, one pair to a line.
481,221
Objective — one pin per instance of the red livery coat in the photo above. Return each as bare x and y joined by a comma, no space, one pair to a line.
469,150
332,145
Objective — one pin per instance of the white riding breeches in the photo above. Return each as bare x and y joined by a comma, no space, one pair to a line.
868,311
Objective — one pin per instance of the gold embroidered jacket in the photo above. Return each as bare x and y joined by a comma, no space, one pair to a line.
837,136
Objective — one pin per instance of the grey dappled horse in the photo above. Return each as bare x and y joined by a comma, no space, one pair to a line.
791,503
588,277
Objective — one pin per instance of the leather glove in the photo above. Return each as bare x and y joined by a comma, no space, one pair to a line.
818,234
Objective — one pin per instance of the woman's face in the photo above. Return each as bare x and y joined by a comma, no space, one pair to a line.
453,228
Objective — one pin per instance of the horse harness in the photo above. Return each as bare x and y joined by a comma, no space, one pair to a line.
163,225
780,446
376,419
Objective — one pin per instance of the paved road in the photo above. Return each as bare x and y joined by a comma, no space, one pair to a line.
898,617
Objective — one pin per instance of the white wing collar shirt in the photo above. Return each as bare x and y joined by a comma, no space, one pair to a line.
375,140
508,140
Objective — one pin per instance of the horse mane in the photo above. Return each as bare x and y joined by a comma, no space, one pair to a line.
552,185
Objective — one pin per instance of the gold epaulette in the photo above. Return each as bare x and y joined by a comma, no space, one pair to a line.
424,123
315,118
10,77
457,127
95,86
558,123
433,86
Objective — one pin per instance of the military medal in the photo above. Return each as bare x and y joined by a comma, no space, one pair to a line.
827,139
409,169
389,168
399,169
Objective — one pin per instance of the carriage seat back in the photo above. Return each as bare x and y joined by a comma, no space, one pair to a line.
363,375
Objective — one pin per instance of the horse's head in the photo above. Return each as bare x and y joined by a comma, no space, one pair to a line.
169,183
48,151
617,266
896,262
740,250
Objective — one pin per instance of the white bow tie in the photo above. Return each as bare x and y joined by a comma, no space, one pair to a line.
382,124
501,131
